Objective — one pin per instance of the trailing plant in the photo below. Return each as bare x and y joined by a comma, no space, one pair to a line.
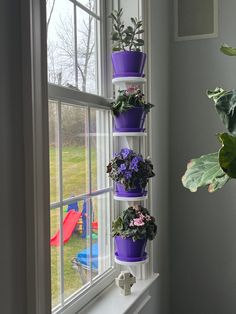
130,169
128,99
136,223
216,169
126,37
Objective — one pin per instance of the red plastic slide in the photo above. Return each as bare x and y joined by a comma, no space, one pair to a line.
69,224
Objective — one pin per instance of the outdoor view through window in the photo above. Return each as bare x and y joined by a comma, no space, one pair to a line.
80,149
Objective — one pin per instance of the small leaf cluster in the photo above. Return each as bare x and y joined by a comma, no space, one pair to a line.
126,37
216,169
127,100
130,169
125,226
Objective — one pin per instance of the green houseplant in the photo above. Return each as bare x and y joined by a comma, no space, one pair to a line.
131,172
130,110
127,58
131,230
216,169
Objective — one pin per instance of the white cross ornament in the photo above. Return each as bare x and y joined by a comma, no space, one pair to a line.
125,281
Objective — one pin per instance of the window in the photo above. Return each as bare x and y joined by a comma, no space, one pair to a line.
80,147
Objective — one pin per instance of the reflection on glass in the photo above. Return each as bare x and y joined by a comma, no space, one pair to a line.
53,150
76,250
86,52
55,258
74,150
99,136
101,232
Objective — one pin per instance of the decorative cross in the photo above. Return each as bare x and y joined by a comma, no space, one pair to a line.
125,281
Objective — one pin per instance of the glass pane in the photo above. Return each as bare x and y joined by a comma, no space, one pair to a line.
55,257
74,150
53,150
86,52
101,208
90,4
61,47
99,135
76,250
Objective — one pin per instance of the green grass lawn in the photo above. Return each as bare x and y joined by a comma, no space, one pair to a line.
75,181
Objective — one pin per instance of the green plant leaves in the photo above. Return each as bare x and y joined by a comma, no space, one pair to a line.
227,154
205,171
227,50
225,102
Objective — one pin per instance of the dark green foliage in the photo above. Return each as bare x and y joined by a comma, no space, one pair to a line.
225,102
127,100
130,169
126,38
135,222
216,169
227,154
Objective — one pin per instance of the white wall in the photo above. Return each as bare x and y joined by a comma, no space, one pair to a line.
203,233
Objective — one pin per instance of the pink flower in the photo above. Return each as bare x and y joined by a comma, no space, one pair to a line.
131,223
138,222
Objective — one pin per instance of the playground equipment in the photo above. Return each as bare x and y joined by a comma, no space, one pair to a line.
82,262
71,220
69,224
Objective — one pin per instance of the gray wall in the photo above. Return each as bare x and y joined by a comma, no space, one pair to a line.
12,222
203,232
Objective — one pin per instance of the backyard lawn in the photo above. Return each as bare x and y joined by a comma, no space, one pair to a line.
75,182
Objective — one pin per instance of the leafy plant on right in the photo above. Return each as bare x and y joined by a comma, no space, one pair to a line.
216,169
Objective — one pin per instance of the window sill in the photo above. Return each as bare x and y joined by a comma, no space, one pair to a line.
108,300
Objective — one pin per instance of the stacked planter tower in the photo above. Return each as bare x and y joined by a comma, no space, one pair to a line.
128,133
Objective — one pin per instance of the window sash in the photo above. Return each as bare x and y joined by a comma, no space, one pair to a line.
73,97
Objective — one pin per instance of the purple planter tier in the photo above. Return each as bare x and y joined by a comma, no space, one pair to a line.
128,63
131,120
128,250
137,192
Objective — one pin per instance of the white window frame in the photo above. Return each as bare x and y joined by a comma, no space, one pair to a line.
35,88
74,97
89,101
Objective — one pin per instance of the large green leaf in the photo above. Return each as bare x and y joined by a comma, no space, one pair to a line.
225,102
227,50
227,154
204,171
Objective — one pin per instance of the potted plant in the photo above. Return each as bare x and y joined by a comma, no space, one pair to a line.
131,173
127,59
216,169
131,230
130,110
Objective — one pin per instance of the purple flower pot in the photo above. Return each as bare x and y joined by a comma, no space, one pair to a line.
130,251
131,120
137,192
128,63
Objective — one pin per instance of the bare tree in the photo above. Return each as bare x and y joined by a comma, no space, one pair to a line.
81,55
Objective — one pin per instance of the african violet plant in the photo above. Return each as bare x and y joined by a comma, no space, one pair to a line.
126,38
130,169
128,99
136,223
216,169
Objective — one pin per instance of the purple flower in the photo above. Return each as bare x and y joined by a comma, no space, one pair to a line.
125,152
127,175
134,163
122,167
